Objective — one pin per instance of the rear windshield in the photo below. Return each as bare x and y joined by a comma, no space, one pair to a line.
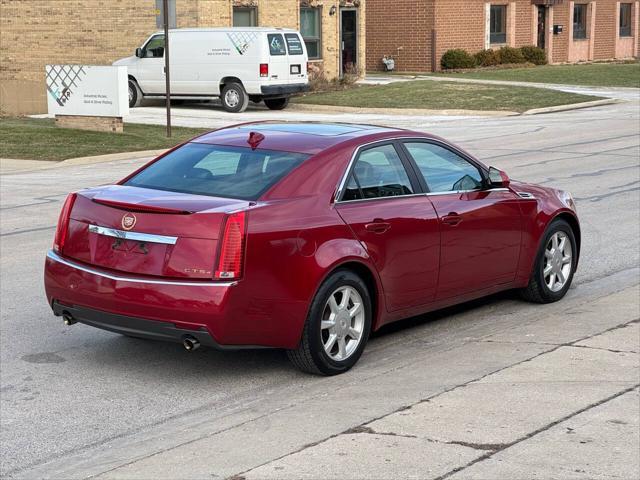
294,44
219,171
276,44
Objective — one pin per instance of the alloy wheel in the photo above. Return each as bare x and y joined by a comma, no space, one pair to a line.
557,261
342,324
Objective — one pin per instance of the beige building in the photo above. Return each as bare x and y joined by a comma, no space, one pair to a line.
34,33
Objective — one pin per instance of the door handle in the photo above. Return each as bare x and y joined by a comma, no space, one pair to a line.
377,226
452,219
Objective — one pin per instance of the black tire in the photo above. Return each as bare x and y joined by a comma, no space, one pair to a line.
276,103
310,355
135,96
234,98
538,291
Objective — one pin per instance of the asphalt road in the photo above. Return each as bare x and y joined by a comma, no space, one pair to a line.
77,402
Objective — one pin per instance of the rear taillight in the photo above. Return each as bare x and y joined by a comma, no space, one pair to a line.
264,69
232,248
63,223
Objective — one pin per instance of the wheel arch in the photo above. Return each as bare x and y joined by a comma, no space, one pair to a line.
571,219
229,79
370,278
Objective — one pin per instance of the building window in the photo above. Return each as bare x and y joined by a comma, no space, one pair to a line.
310,30
625,19
245,17
160,14
580,21
498,24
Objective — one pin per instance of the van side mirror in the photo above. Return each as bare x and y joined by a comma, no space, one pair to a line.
139,52
498,178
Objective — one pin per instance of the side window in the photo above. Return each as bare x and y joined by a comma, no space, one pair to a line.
378,172
444,170
276,44
155,47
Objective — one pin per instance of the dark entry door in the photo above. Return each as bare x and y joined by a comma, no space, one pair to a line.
348,40
542,26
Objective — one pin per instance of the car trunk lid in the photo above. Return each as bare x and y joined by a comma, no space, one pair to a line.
148,232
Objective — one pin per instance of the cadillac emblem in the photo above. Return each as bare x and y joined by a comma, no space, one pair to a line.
128,221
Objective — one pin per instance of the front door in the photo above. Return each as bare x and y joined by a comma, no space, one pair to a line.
481,229
542,26
151,77
348,41
398,228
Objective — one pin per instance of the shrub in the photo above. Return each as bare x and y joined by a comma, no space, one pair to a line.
457,58
487,58
534,55
511,55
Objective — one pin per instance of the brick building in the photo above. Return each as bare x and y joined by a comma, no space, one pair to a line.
420,31
34,33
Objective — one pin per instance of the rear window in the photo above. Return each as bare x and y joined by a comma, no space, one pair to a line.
276,44
218,171
294,44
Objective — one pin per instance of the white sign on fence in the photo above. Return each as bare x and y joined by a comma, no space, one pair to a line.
88,90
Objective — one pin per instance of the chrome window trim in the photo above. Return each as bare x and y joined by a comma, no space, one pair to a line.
435,194
345,175
57,258
382,198
434,141
136,236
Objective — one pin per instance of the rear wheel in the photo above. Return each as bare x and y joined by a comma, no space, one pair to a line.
337,328
555,265
277,103
234,98
134,94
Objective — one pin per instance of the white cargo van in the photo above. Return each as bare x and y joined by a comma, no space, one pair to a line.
235,64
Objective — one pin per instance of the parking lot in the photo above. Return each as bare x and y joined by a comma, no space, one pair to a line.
496,388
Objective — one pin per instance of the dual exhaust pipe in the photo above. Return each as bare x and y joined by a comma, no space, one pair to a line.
189,342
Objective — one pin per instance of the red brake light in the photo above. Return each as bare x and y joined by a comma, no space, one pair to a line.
63,223
232,248
264,69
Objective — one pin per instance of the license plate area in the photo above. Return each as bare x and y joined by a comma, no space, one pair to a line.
295,69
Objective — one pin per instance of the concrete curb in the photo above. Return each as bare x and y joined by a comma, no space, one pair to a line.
11,166
111,157
302,107
571,106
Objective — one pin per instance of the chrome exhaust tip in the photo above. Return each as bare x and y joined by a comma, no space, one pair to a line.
68,319
190,343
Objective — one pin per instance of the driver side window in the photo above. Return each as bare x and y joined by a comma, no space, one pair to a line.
444,170
154,47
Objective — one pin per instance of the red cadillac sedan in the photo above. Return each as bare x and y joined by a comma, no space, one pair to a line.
305,237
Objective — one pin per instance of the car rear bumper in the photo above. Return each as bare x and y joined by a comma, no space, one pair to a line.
286,89
223,315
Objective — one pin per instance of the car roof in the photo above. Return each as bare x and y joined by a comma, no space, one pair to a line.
228,29
300,137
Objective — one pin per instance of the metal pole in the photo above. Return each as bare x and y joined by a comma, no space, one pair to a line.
165,8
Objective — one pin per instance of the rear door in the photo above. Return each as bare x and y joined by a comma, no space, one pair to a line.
278,59
396,224
297,58
481,228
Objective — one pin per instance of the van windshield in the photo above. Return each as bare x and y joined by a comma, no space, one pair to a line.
219,171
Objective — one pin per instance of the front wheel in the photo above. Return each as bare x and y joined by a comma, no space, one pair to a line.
337,327
555,265
134,94
276,103
234,98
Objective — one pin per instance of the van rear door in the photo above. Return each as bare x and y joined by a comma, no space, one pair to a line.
297,58
278,59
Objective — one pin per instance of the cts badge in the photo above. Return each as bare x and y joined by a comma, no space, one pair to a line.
128,221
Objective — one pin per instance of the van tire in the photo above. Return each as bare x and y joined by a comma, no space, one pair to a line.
234,98
276,103
135,95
